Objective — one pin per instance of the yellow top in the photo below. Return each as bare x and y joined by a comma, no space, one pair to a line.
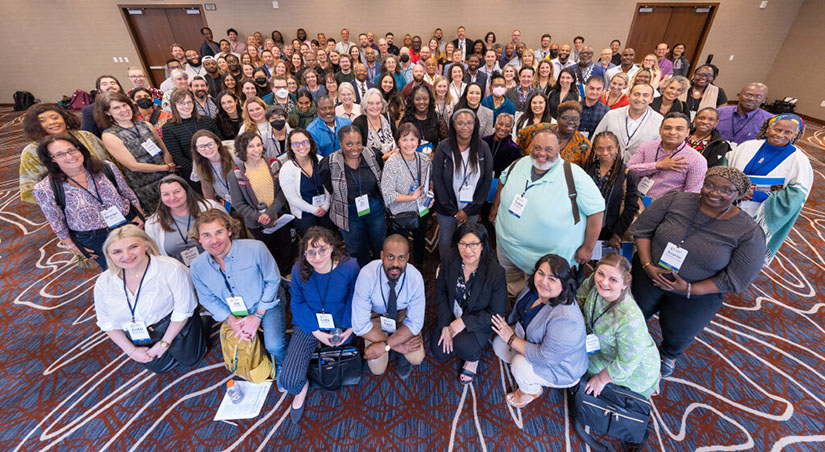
262,184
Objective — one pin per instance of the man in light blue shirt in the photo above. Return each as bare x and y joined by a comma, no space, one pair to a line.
324,129
388,308
238,282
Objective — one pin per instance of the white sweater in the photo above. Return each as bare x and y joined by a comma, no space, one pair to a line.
290,179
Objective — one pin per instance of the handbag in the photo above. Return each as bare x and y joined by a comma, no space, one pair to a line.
617,412
333,367
404,221
246,359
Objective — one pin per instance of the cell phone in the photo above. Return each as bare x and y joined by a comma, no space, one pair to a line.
669,277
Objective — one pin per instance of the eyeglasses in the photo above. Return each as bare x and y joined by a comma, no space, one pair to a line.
137,76
571,118
698,75
724,191
471,246
62,155
203,147
300,144
752,96
322,251
465,125
186,103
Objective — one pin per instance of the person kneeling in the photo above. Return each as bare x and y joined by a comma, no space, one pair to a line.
161,332
388,308
543,338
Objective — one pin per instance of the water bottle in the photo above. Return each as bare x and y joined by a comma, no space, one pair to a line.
336,337
261,207
234,392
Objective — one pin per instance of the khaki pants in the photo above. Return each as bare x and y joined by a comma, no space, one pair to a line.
528,381
379,365
516,279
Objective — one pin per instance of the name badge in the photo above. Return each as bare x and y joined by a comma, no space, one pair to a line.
188,255
237,306
138,332
592,344
227,206
150,147
112,217
318,200
457,311
465,193
423,204
325,321
362,205
387,325
645,184
517,206
673,257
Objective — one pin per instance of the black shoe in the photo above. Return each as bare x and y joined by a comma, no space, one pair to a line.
295,414
633,447
404,367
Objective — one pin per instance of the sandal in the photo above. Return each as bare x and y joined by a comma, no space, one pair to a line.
518,399
466,373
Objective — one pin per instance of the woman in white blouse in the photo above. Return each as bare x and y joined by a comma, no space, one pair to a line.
146,303
348,108
301,184
457,84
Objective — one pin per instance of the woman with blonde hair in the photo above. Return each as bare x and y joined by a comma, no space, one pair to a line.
444,101
650,62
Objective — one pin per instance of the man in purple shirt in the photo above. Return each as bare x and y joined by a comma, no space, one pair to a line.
665,65
741,122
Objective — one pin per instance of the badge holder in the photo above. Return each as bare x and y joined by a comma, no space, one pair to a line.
388,325
237,306
362,205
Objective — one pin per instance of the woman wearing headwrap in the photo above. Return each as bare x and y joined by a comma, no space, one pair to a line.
691,250
781,177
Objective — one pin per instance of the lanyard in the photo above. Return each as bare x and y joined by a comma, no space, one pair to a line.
464,166
496,146
191,132
96,194
679,149
627,129
220,179
133,308
689,230
314,177
418,162
350,171
182,236
733,131
596,319
752,169
135,132
528,185
322,298
226,281
397,293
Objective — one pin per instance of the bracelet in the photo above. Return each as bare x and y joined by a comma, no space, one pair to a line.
510,341
688,292
644,266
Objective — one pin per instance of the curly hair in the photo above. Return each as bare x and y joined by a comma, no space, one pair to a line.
242,141
312,238
763,131
592,161
31,123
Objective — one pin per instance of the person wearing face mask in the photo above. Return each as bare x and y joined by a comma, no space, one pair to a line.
147,109
324,129
496,100
280,94
523,224
276,117
405,65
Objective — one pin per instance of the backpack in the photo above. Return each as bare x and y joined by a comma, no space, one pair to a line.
246,359
79,100
23,100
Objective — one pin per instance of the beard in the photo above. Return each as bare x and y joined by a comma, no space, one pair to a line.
543,166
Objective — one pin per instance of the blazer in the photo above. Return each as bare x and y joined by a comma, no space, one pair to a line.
481,79
467,44
443,171
354,84
512,94
485,121
290,181
488,296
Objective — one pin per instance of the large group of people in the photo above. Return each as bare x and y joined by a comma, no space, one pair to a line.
328,166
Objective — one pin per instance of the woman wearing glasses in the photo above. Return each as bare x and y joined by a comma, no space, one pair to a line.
301,182
471,289
691,250
703,93
323,281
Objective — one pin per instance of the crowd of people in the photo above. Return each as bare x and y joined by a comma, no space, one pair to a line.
327,166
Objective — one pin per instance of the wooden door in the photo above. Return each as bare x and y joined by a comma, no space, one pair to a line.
671,23
154,29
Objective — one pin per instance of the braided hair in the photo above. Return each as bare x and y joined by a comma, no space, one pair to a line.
591,165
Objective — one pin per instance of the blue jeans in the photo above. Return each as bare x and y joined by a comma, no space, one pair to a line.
274,325
366,233
93,240
447,226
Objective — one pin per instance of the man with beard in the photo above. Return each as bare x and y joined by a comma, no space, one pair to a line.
193,63
418,73
204,104
562,61
554,50
415,50
104,84
391,47
544,50
209,46
474,75
226,49
388,309
586,68
213,76
324,129
524,222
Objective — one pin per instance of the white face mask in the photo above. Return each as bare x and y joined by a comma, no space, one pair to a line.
282,92
499,91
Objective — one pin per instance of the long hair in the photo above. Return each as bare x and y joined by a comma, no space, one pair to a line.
102,104
561,270
202,164
222,118
248,122
592,162
178,95
90,163
462,101
528,116
194,201
31,123
128,231
621,263
475,146
243,140
311,238
313,148
570,72
431,123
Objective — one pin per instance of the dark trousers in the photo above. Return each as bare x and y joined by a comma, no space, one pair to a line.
187,348
93,240
279,244
293,375
366,233
309,220
467,346
680,318
419,235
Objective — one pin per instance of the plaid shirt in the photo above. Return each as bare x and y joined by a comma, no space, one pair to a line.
591,116
339,212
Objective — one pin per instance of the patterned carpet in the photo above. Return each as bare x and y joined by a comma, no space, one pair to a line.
754,380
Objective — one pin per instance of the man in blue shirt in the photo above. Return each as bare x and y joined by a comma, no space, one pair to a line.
324,129
388,308
741,122
238,282
592,109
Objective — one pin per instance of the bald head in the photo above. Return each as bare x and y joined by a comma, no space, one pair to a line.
751,96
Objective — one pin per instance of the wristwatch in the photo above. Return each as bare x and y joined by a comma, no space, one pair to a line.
259,315
387,346
164,344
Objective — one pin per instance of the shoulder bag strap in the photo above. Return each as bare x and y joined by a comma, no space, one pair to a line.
571,191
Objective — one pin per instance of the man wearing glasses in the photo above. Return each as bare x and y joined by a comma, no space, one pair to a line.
388,308
139,80
741,122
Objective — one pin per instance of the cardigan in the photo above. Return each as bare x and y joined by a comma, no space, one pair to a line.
245,201
157,233
291,188
616,122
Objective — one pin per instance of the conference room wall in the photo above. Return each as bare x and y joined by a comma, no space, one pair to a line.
53,47
800,63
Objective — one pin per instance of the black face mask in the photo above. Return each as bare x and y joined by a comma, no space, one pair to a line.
404,58
278,124
144,102
260,80
554,53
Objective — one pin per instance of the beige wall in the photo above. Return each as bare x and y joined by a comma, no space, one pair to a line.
71,42
802,51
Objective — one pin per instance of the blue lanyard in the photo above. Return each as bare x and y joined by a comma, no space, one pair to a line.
226,281
381,289
627,130
323,297
132,308
350,171
96,194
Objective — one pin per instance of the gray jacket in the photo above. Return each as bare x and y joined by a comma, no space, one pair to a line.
555,342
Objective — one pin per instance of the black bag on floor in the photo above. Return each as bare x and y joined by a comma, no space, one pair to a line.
23,100
617,412
333,367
